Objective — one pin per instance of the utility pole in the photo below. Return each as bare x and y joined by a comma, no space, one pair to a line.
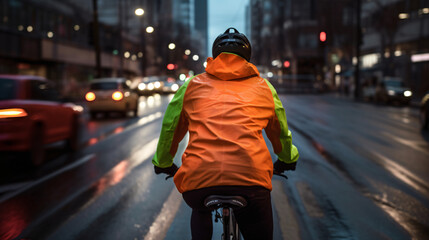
357,93
120,47
96,31
280,39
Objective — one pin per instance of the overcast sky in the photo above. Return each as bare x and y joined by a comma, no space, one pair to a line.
224,14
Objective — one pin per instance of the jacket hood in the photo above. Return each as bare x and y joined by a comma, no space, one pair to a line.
228,66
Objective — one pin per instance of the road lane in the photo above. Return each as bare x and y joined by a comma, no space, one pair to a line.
59,191
346,133
339,190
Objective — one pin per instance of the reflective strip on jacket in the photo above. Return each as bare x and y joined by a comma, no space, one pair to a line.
225,111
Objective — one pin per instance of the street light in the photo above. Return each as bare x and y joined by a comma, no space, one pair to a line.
139,11
171,46
150,29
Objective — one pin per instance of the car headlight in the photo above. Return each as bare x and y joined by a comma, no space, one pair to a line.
391,92
117,96
150,86
142,86
90,96
408,93
77,108
174,87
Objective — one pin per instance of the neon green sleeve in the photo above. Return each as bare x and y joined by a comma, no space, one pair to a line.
278,132
169,137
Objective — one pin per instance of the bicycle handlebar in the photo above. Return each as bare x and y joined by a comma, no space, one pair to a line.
169,176
280,174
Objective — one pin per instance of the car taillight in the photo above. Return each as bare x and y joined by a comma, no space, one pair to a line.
12,113
117,96
90,96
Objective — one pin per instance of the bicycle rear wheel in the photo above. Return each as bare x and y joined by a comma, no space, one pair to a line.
235,231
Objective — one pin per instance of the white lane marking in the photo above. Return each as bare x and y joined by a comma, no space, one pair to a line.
310,202
89,212
13,186
26,185
144,153
162,223
49,176
402,174
287,220
412,144
144,120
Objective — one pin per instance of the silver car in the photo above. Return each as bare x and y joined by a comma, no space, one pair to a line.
111,95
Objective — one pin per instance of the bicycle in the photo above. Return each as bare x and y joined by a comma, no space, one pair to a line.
228,204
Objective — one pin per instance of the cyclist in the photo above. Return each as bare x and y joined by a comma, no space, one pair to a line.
225,110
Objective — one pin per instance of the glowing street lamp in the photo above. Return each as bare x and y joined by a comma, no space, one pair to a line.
150,29
195,57
139,11
403,16
171,46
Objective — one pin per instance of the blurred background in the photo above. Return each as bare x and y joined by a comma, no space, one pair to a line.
84,85
299,45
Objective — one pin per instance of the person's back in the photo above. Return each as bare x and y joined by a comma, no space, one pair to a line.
226,114
225,111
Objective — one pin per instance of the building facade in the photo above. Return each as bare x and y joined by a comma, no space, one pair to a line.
55,39
394,41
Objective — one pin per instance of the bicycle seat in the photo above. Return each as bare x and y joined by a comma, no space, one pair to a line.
218,201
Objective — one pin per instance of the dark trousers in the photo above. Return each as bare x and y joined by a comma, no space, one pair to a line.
255,221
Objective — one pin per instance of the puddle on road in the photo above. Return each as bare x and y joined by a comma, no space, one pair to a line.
404,209
408,218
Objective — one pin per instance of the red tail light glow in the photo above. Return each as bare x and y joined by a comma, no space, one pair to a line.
117,96
90,96
12,113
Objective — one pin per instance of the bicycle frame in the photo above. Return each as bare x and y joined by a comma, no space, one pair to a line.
226,204
230,226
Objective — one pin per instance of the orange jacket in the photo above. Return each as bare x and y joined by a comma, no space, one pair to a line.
225,111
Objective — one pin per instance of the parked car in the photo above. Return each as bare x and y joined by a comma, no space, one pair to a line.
392,89
388,90
150,85
170,85
143,87
424,112
111,95
157,82
31,116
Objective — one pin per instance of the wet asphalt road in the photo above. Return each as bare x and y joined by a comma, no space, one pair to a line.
362,175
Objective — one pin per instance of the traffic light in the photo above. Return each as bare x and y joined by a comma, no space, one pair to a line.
286,64
170,66
322,36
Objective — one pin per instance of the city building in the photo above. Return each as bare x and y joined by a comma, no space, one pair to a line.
308,41
286,39
396,42
55,39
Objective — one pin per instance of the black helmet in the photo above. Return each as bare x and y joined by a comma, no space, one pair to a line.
234,42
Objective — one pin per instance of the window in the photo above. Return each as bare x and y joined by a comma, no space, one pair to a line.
104,86
41,90
7,89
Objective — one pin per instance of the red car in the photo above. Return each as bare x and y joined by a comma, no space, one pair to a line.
31,116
